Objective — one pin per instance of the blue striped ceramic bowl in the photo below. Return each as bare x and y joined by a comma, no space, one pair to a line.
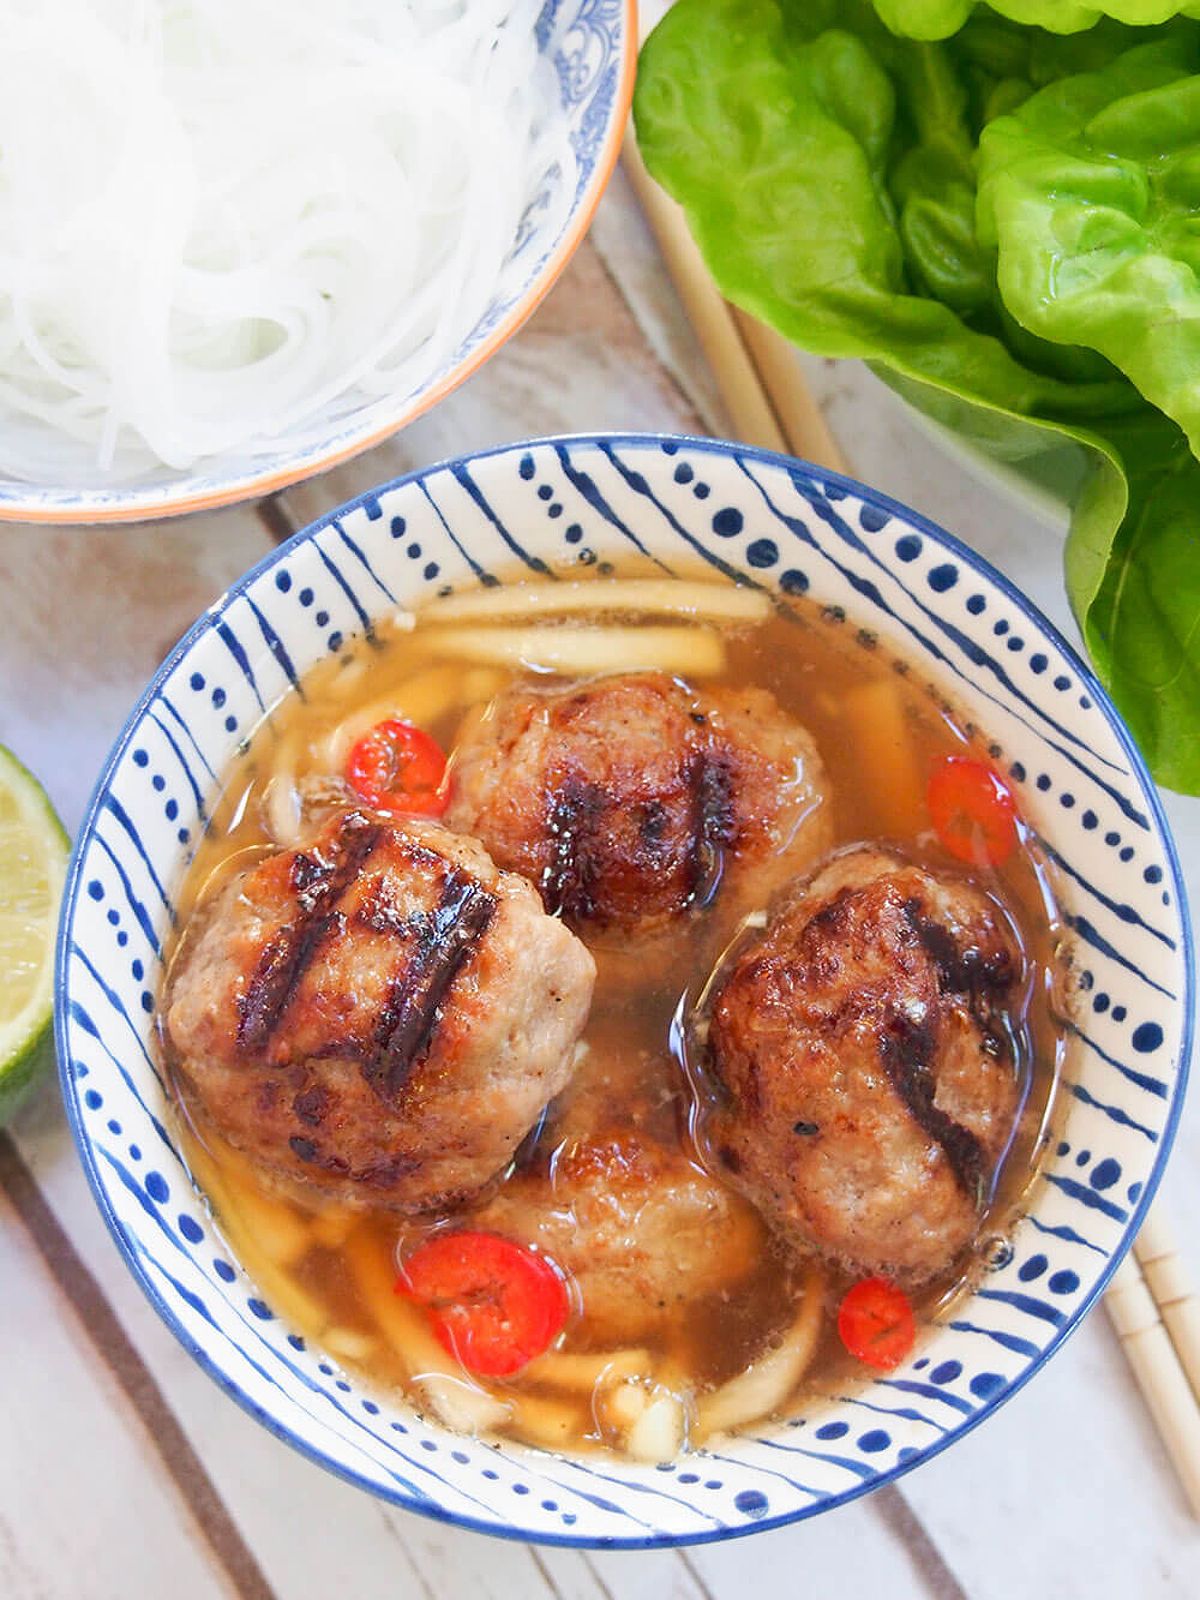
548,507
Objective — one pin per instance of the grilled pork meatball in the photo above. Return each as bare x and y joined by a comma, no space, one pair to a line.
864,1049
629,800
381,1012
641,1230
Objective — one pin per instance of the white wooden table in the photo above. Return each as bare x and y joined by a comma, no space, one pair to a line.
125,1473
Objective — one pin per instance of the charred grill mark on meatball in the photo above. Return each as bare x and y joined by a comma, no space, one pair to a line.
962,971
578,812
311,1104
907,1048
652,826
985,980
444,943
710,783
320,882
567,883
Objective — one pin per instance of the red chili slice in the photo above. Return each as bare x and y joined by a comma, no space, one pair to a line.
973,811
398,768
493,1304
876,1323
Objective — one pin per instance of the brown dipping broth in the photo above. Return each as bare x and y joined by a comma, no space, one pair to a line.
879,727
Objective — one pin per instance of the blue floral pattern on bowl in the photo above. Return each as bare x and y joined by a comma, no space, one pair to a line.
633,504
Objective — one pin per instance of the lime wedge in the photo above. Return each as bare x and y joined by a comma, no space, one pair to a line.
33,861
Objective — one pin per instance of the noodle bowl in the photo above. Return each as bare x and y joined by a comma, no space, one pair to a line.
254,238
887,582
620,1159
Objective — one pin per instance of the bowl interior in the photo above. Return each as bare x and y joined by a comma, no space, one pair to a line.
587,51
632,504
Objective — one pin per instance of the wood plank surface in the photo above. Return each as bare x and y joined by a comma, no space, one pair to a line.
1065,1493
67,1516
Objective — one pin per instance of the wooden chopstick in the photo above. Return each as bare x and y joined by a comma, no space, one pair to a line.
769,405
803,422
757,373
1177,1301
1159,1373
750,412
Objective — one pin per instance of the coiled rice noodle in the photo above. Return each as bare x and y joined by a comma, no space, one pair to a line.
233,225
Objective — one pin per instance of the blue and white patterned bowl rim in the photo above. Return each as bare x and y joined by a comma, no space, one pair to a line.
591,45
770,512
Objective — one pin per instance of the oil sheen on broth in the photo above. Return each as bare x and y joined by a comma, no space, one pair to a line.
330,1267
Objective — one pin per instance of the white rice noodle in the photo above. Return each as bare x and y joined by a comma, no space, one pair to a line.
277,1231
353,668
690,652
557,1424
331,1225
880,731
283,811
246,221
584,1371
420,700
279,1289
257,1247
455,1400
349,1344
461,1405
764,1386
638,596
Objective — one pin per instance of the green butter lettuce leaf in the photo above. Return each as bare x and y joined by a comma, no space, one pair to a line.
1142,627
828,180
827,170
1090,195
939,19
